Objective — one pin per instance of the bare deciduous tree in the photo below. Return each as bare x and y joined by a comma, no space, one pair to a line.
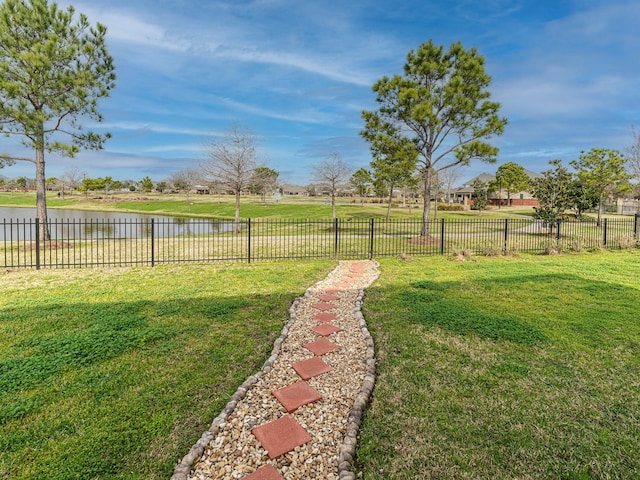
449,177
633,154
71,178
185,180
333,172
231,162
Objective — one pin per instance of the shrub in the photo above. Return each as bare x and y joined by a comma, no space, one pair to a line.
405,257
451,207
513,252
577,245
628,241
461,254
552,248
492,250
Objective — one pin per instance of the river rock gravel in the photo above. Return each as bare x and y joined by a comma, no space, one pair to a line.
229,450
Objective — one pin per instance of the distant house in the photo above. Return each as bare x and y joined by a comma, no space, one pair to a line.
293,190
464,194
201,189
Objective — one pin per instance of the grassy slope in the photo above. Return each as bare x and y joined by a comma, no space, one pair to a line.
505,368
116,373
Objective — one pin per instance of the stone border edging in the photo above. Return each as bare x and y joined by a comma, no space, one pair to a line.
347,451
354,420
182,470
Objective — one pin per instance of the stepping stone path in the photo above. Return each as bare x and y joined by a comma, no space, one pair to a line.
298,418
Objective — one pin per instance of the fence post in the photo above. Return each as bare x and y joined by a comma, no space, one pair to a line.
635,226
558,223
37,244
249,240
335,246
371,240
442,236
506,236
604,234
153,243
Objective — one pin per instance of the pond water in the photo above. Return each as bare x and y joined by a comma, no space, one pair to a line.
19,224
17,213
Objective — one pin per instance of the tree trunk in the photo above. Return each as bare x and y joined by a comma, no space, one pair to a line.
600,209
389,203
426,227
435,208
237,217
41,198
333,206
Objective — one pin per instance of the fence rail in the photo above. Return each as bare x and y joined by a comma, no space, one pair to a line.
81,243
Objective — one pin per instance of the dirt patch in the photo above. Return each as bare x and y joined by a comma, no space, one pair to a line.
53,245
425,240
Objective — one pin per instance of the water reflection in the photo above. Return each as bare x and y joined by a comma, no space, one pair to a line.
19,224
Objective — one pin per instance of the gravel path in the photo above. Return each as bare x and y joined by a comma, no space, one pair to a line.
229,450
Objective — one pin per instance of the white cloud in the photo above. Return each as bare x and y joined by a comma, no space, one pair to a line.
576,66
611,22
552,93
155,128
310,63
309,115
226,37
487,10
181,147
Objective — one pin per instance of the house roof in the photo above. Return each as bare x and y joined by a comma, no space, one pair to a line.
483,177
488,177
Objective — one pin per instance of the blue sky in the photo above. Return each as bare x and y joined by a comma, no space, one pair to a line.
299,73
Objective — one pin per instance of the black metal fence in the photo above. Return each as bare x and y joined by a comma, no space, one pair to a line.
81,243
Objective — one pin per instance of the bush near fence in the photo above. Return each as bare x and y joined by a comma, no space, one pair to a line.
79,243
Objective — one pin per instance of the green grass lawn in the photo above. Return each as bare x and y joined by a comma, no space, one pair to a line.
250,207
505,368
511,367
115,374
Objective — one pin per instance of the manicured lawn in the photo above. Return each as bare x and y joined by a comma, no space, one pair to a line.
505,368
250,207
525,367
115,374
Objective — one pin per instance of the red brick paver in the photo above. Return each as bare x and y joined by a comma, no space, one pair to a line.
281,436
325,317
320,347
311,368
333,290
326,329
327,297
295,396
266,472
323,306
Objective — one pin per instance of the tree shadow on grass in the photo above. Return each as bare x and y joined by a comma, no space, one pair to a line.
584,309
109,331
435,304
134,376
